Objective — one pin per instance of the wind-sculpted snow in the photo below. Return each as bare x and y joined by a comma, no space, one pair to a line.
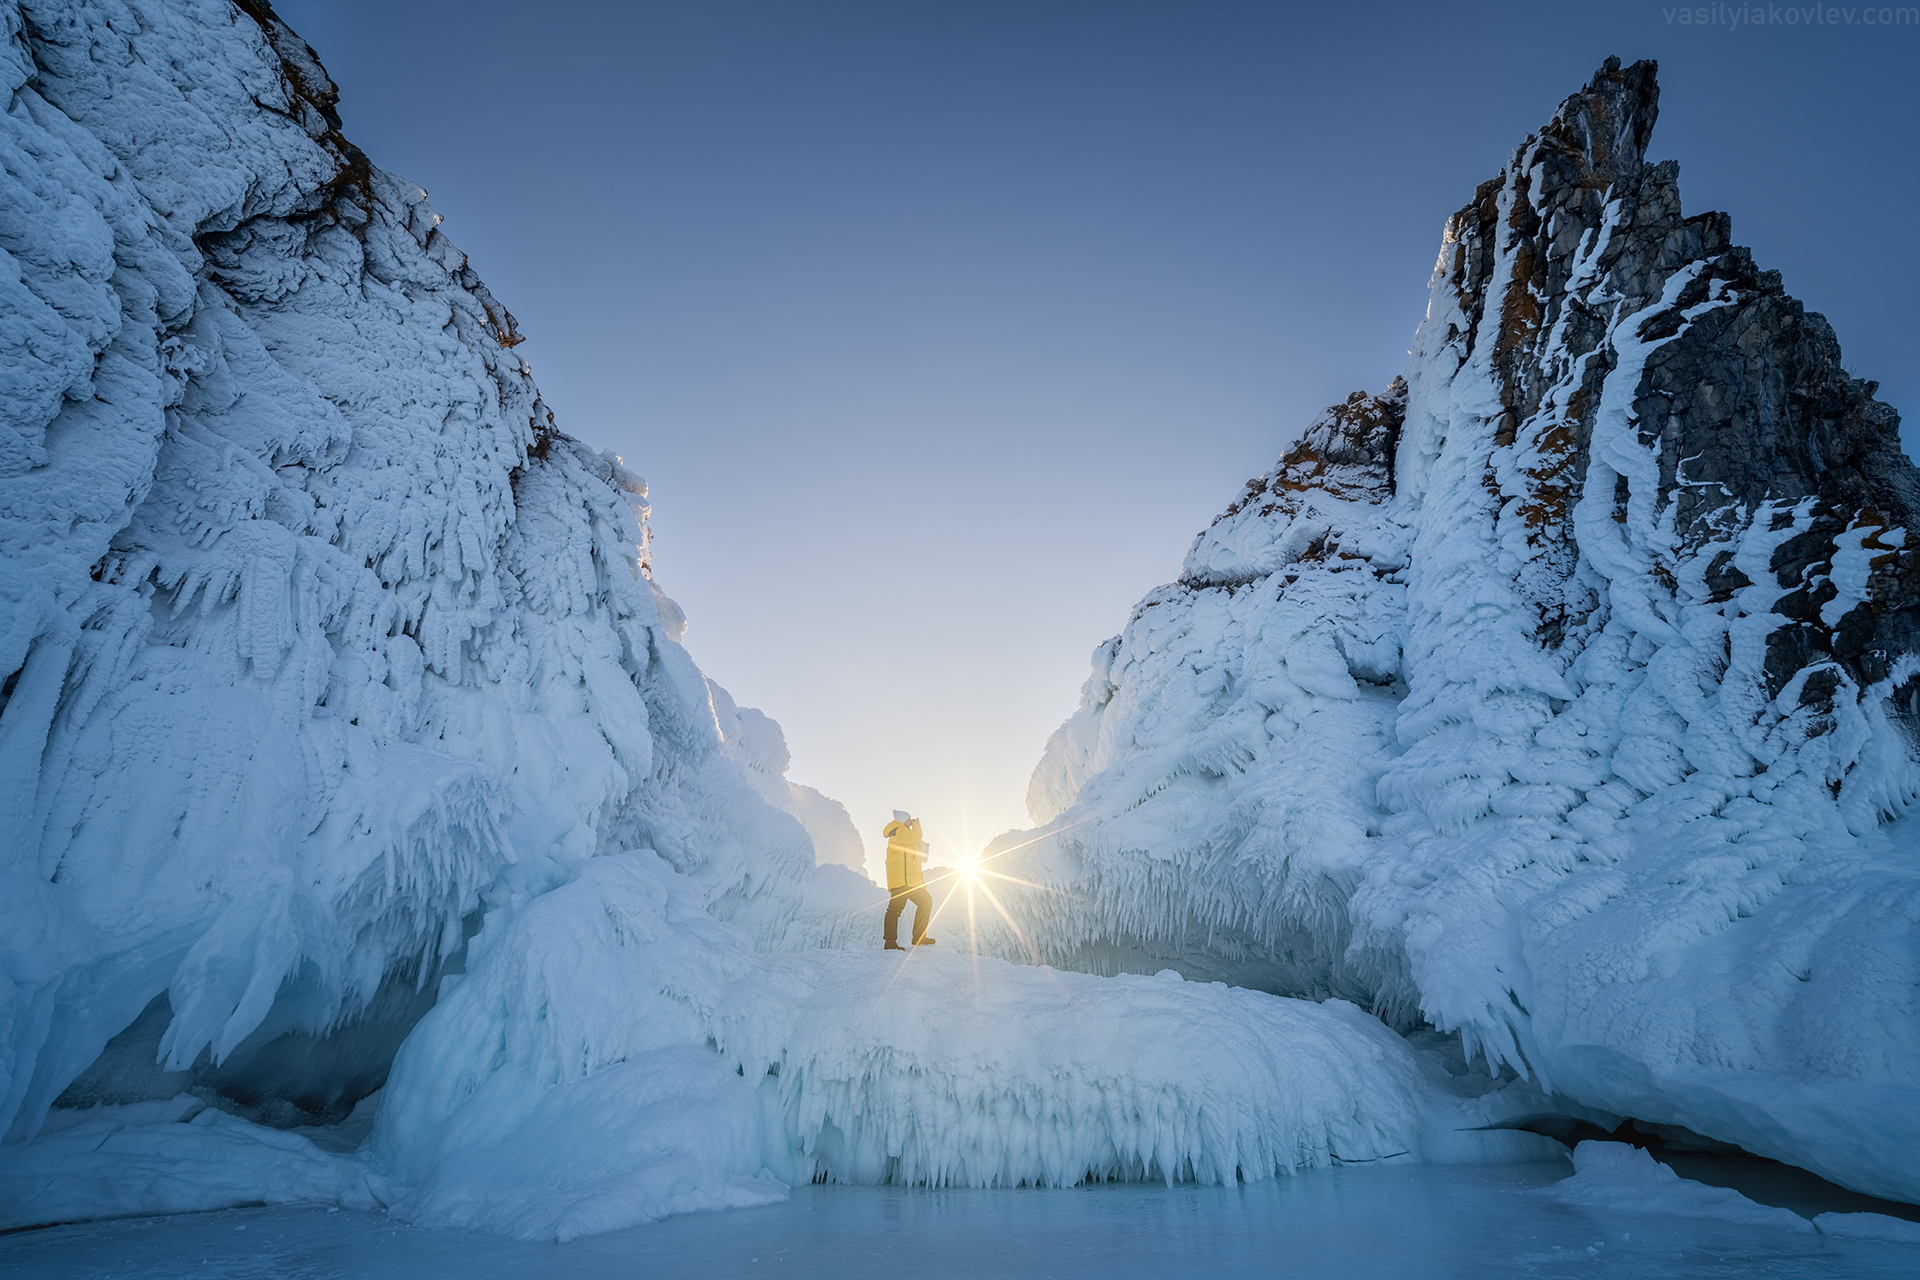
839,904
1564,694
318,638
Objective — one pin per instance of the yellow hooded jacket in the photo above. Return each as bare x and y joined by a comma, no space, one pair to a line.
906,862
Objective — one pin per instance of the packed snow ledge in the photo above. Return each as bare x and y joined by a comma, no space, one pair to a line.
615,1055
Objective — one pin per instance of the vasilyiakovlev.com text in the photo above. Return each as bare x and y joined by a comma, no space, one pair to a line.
1773,15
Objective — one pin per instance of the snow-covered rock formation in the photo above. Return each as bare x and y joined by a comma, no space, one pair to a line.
1564,694
839,903
754,741
317,636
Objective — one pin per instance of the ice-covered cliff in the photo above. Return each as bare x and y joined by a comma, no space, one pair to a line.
1563,694
317,635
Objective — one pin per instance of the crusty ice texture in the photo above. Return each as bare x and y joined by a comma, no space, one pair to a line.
616,1055
316,628
1563,694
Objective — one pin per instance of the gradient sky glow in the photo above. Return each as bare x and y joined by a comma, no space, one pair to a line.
940,329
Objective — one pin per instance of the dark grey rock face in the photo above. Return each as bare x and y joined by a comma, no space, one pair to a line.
1749,402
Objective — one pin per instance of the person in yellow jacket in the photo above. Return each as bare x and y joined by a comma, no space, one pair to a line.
906,880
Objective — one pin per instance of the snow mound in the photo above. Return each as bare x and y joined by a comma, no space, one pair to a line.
1868,1226
176,1156
614,1040
1615,1177
1564,694
615,1055
839,906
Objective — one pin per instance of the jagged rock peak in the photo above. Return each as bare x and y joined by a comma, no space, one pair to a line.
1590,306
1346,453
1563,729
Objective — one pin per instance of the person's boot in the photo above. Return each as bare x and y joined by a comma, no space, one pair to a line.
921,942
893,946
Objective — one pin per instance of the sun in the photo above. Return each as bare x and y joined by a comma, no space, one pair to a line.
962,884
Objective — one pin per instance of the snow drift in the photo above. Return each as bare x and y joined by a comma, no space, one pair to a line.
1562,694
665,1044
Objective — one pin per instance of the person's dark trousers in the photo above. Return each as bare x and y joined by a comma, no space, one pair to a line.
922,908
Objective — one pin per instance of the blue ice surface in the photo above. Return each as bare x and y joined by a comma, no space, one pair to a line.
1352,1222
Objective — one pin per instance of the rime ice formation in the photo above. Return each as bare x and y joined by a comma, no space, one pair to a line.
1563,694
947,1070
319,638
753,740
839,902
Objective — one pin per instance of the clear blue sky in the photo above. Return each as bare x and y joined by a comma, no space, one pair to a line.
974,313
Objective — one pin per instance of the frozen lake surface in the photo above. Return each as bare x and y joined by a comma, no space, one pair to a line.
1423,1221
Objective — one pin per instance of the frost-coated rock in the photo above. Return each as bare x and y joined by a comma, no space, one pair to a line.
317,635
1564,694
